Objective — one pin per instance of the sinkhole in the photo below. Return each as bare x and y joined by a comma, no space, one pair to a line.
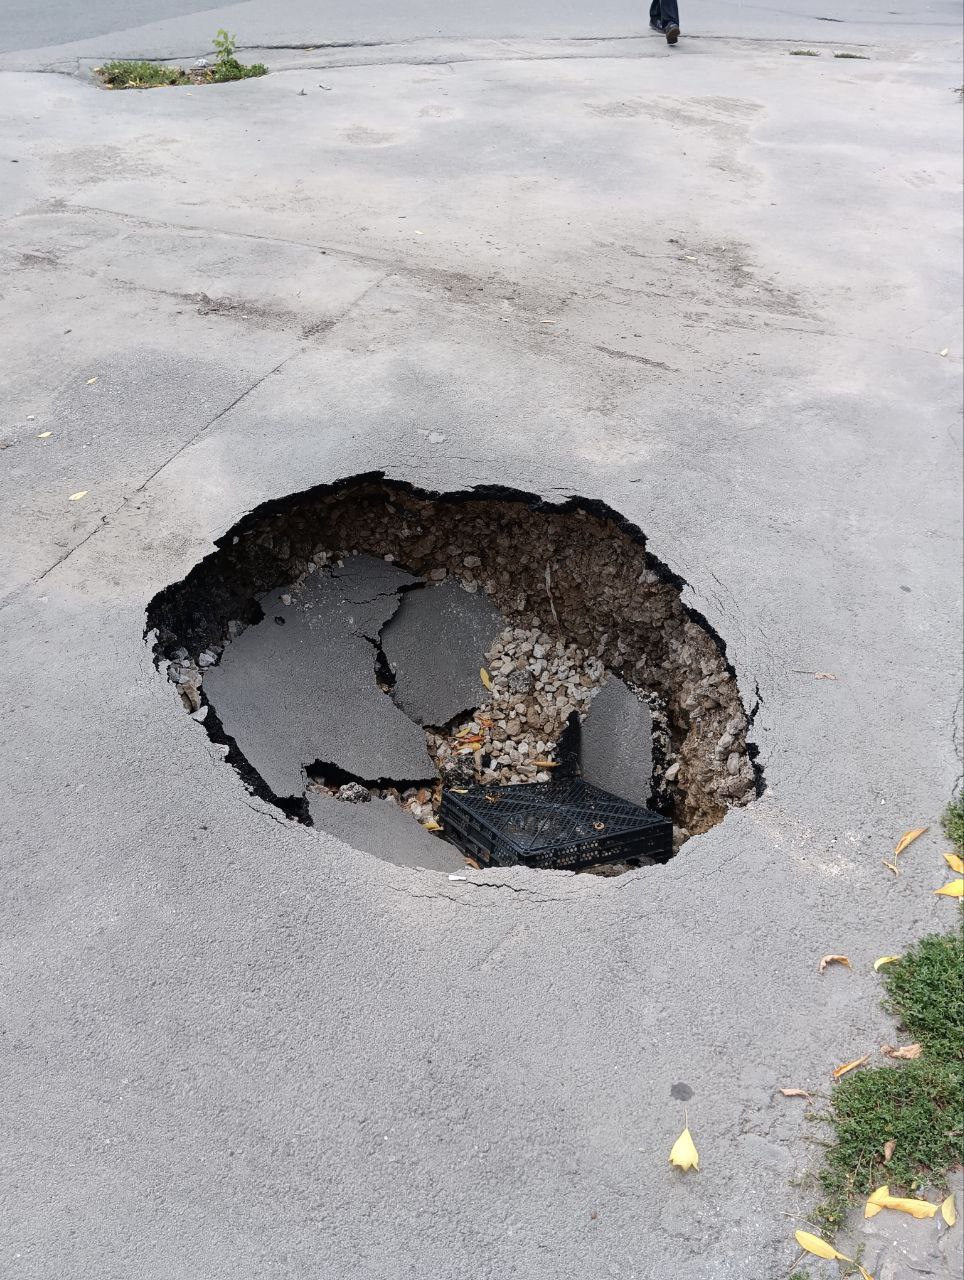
364,649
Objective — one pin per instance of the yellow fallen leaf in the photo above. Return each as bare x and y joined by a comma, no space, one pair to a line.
953,890
916,1208
907,1052
91,381
864,1273
949,1211
684,1154
834,960
908,838
795,1093
882,960
889,1148
75,497
44,434
819,1248
485,677
546,764
431,826
849,1066
876,1201
891,866
953,861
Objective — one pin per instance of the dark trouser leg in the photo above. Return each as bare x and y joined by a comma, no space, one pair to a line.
668,11
655,16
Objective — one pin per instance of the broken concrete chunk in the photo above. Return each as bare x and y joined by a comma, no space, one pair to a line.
616,750
435,644
299,686
384,830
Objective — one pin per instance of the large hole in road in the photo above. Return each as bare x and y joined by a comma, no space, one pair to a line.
361,648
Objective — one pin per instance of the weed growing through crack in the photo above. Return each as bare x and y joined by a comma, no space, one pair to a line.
804,53
138,74
227,66
952,820
854,57
916,1105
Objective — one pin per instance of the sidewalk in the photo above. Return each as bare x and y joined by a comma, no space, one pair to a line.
712,291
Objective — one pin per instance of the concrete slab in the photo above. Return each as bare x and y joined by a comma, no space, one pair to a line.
299,687
381,828
616,743
435,644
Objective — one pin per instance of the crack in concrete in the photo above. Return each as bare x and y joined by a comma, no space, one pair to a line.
105,519
526,894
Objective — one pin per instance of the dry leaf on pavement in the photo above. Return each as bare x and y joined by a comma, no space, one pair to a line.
485,677
882,960
876,1201
908,1052
76,497
844,960
953,890
849,1066
908,839
949,1211
819,1248
795,1093
916,1208
91,381
684,1154
954,862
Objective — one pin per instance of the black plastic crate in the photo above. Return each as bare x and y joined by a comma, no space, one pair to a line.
565,825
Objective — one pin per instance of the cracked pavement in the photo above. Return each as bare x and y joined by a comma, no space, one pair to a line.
711,290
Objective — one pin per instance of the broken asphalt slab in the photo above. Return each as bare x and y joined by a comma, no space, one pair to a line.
435,644
299,687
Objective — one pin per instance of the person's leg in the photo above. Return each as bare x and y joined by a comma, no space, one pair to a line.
669,12
655,18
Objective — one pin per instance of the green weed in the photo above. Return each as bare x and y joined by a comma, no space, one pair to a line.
952,819
804,53
227,66
140,75
854,57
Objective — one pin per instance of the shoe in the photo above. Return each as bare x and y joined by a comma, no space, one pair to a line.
656,26
671,31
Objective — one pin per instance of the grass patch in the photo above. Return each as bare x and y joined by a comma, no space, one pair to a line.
926,991
918,1105
140,75
952,819
854,57
153,75
804,53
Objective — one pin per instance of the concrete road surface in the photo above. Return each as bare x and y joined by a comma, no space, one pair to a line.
717,288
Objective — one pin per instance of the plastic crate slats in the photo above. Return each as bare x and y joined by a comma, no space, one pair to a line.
567,823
